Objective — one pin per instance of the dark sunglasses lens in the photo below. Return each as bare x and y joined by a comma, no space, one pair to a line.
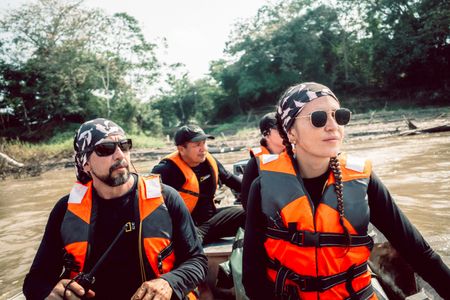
342,116
125,145
105,149
319,118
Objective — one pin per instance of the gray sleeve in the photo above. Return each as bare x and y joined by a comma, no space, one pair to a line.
190,261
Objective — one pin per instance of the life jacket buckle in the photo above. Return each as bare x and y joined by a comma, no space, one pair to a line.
307,284
295,238
310,239
302,284
129,226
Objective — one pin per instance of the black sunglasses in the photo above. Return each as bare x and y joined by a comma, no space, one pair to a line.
319,117
108,148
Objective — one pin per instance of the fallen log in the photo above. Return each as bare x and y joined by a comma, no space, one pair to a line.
440,128
10,161
410,124
215,150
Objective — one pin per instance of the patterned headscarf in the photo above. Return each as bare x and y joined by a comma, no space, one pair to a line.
90,134
293,100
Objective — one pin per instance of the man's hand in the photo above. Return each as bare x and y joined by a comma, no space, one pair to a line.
74,291
156,289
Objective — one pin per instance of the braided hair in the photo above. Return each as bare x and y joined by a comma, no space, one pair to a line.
339,190
287,144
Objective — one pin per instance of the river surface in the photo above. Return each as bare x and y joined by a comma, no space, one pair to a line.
416,169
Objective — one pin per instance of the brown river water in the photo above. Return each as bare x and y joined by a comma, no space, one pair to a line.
416,169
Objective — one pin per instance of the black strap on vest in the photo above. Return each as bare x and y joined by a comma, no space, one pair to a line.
314,284
86,280
318,239
163,255
189,192
363,294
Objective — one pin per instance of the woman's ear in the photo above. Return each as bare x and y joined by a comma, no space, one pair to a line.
292,137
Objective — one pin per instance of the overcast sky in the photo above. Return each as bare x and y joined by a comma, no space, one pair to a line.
196,30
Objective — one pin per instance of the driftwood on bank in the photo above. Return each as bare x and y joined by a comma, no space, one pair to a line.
145,154
440,128
414,129
10,161
410,124
215,150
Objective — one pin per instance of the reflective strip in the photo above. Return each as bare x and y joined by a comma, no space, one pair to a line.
77,193
152,187
256,150
355,163
267,158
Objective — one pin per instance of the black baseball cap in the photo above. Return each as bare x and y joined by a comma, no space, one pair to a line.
267,122
190,133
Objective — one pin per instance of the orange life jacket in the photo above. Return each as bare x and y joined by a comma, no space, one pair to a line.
154,221
257,151
190,191
309,255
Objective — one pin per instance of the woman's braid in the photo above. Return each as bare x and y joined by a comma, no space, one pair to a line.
284,136
339,189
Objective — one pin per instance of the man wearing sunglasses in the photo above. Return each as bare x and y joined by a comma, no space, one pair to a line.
195,174
117,235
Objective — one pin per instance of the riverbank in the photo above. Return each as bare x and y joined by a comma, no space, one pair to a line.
373,125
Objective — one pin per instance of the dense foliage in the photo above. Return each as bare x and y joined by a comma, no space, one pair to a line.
62,63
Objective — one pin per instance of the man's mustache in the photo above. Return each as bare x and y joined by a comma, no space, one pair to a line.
119,164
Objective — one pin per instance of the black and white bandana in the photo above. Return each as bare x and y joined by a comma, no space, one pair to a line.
293,100
91,133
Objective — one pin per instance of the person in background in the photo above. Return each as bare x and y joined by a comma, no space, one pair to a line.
271,143
306,233
130,236
195,174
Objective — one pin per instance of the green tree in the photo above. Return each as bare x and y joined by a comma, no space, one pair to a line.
184,101
63,62
407,42
286,43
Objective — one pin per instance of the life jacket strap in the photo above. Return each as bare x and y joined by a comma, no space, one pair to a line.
163,255
319,239
362,294
189,192
310,283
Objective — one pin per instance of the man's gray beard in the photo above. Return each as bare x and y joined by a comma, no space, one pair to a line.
118,179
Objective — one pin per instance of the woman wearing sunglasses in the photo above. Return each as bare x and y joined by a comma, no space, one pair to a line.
308,212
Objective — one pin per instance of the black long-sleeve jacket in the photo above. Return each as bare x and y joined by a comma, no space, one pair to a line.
250,174
119,276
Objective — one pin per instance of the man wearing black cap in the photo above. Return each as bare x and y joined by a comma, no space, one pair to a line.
195,174
130,236
270,143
